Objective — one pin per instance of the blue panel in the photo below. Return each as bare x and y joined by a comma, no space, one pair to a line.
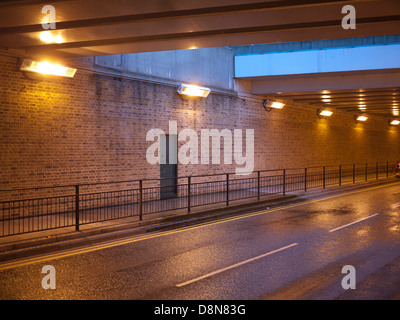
318,61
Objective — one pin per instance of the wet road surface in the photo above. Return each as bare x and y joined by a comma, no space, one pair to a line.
294,252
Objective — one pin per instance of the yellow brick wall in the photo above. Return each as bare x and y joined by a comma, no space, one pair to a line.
92,128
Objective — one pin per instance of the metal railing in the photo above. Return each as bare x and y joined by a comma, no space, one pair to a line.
29,210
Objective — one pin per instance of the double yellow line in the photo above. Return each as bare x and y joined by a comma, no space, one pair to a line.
115,243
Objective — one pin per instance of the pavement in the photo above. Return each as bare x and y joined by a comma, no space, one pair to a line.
291,251
40,242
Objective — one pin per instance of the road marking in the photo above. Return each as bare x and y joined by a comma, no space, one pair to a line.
235,265
128,240
347,225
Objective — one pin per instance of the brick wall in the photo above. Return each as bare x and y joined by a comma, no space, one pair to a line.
92,128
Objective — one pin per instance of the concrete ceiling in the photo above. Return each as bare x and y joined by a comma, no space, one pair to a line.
104,27
373,101
354,79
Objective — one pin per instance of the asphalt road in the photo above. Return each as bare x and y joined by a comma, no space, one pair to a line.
294,252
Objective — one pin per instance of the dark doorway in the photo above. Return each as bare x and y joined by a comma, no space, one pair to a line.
169,166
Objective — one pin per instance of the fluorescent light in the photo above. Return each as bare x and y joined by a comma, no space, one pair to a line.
325,113
361,118
193,90
395,122
268,104
45,67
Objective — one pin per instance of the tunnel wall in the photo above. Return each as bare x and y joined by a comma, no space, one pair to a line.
92,128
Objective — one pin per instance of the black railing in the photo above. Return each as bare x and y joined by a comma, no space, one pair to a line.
29,210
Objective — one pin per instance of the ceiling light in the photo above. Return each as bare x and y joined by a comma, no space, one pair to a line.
193,90
46,36
268,105
324,113
45,67
394,122
49,37
59,39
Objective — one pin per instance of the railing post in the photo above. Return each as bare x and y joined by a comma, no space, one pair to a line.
284,183
340,175
366,171
258,185
354,173
77,208
323,177
140,200
227,189
305,179
189,194
377,173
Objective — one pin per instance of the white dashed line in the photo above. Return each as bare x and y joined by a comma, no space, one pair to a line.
235,265
347,225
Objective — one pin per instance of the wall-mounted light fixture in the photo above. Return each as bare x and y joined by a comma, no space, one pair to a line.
394,122
193,90
324,113
269,105
45,67
360,118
